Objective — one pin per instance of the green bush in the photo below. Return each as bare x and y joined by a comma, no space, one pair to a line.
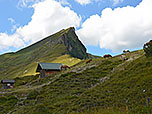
40,109
12,100
2,100
1,108
148,48
33,94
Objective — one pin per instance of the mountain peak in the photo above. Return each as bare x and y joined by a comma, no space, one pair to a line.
67,38
62,43
74,46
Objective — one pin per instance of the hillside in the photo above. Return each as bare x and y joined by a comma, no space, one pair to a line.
103,86
63,46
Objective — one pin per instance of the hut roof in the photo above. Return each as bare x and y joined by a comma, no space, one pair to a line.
48,66
7,81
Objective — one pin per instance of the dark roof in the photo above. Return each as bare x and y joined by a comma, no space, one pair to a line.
7,81
48,66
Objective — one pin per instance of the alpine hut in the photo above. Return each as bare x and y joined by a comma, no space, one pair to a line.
48,68
8,83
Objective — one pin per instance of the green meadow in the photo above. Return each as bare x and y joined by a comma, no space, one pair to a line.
103,86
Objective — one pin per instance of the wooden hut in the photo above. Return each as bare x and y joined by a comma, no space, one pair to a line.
8,83
48,68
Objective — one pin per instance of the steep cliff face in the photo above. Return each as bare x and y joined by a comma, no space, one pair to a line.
64,42
73,44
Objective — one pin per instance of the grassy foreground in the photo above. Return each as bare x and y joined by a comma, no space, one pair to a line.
104,86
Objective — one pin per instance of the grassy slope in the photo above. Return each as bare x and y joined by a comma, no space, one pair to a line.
50,49
16,65
105,85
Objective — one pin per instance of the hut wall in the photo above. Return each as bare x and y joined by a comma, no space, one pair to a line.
50,72
44,73
5,86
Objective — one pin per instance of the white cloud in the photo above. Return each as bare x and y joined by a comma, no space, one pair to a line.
121,28
11,20
14,27
115,2
83,2
14,24
64,2
9,41
49,17
27,3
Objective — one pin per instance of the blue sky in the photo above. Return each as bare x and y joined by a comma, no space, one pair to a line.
104,26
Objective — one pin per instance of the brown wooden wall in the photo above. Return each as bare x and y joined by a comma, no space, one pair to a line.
50,72
44,73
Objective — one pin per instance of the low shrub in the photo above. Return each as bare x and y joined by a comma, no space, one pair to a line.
33,94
